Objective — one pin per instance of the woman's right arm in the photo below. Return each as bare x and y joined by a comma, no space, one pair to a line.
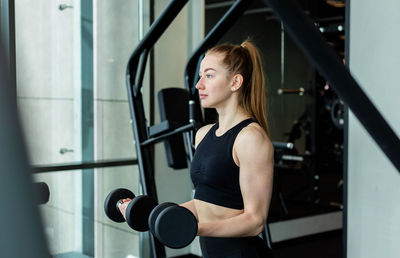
190,206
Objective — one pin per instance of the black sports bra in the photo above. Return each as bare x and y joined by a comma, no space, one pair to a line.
214,173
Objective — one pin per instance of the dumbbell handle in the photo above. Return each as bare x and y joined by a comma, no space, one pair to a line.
119,203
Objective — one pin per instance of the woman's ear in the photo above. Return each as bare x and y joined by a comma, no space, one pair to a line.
237,81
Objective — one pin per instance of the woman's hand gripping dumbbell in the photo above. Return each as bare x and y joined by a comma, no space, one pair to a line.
173,225
137,210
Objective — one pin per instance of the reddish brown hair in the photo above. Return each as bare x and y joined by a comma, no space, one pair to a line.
245,59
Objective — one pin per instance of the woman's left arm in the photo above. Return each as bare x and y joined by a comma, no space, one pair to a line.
254,152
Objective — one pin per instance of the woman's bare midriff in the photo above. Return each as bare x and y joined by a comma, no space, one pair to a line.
207,212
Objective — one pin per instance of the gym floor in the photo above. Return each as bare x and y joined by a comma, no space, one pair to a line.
326,245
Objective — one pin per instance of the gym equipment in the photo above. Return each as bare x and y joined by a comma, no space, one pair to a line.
134,81
42,192
300,91
137,211
315,163
155,212
309,39
337,113
173,107
173,225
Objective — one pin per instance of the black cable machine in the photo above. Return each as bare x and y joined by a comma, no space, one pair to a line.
305,35
146,136
325,60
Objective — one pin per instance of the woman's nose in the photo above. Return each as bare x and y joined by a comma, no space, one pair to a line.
199,84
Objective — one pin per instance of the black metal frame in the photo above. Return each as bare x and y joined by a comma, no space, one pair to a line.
346,135
134,78
323,57
83,165
326,61
7,29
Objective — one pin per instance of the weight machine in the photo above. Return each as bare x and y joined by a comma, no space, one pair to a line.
169,130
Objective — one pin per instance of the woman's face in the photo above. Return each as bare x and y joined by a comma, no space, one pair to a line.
214,84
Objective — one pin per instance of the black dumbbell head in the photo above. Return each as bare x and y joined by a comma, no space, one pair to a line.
138,212
110,204
154,214
176,227
42,192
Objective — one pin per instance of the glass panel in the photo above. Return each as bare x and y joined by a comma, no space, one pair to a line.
48,79
71,78
116,34
72,99
63,216
114,239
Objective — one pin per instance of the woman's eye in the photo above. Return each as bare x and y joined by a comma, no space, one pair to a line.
208,76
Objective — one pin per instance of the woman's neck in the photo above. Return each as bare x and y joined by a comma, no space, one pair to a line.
226,120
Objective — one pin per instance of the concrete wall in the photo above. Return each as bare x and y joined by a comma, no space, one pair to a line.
49,89
115,36
373,183
48,74
49,86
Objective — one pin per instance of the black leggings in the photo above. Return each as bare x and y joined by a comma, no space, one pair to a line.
241,247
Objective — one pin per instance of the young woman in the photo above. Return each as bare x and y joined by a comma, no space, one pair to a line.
232,169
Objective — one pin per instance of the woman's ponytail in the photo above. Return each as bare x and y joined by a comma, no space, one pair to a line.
254,103
246,60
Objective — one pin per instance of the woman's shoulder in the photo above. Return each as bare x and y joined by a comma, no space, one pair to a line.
253,145
255,134
202,132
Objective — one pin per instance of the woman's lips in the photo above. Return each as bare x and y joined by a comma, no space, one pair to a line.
202,96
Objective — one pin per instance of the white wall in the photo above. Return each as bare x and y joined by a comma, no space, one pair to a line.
48,74
373,183
115,36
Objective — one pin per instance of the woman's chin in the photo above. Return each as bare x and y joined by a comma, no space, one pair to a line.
204,105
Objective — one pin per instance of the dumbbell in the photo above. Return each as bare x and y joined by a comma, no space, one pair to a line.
42,192
137,211
173,225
